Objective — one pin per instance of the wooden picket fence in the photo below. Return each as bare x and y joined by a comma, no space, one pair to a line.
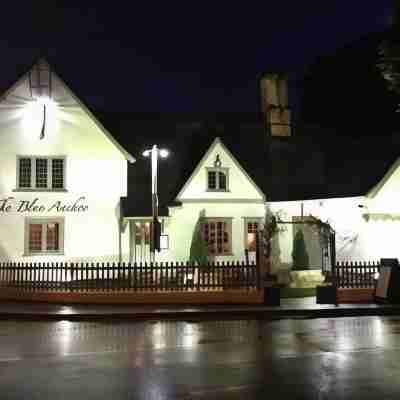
117,277
355,274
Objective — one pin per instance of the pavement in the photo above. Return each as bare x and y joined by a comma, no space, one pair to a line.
299,307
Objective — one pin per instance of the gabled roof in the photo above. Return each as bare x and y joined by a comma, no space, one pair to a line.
320,165
218,141
295,168
187,143
312,164
22,76
377,188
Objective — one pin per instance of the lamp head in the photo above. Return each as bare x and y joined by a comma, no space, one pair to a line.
146,153
164,153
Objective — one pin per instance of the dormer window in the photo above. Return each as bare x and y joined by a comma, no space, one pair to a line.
217,177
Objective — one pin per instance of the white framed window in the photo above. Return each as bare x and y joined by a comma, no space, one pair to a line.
217,179
44,236
41,173
217,233
251,227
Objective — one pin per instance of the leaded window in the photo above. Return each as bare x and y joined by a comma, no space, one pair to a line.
41,173
57,170
25,172
217,235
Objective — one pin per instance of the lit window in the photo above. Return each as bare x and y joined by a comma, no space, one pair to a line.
44,236
217,235
142,233
217,179
251,229
41,173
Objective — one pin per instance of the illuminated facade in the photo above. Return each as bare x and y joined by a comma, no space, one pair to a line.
69,191
62,175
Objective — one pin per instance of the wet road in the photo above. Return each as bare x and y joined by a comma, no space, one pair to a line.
343,358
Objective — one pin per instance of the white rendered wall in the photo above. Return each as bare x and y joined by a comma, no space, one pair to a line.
95,171
242,200
239,184
357,238
180,227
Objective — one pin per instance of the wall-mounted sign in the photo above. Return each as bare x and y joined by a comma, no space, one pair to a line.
11,204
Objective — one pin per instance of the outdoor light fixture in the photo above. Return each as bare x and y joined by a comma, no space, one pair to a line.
40,86
164,153
217,162
155,152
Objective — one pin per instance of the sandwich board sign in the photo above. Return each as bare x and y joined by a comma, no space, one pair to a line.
388,284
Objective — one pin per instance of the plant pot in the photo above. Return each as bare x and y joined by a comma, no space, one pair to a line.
272,296
326,295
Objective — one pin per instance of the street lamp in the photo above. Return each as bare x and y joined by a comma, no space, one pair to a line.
154,153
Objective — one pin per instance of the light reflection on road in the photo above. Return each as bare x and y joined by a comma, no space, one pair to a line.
273,338
321,358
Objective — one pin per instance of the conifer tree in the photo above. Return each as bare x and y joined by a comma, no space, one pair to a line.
299,253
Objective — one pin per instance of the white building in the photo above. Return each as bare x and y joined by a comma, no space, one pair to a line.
62,174
216,189
69,191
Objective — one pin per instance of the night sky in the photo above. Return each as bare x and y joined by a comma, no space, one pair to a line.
180,56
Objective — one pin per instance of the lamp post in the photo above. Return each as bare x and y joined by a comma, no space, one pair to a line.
154,153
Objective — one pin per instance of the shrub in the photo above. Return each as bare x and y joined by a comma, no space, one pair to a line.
299,253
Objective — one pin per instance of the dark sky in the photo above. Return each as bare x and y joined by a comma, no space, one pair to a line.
194,56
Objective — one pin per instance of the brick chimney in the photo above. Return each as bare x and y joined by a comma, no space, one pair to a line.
274,104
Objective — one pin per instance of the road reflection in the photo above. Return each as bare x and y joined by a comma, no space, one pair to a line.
251,338
321,358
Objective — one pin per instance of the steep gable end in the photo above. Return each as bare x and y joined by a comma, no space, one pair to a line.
219,176
47,111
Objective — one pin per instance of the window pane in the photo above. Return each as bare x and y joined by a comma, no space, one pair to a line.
41,173
252,228
222,181
25,169
216,235
35,237
53,236
142,233
212,180
57,170
147,226
251,241
138,233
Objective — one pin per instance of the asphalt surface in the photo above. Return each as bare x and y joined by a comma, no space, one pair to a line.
341,358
